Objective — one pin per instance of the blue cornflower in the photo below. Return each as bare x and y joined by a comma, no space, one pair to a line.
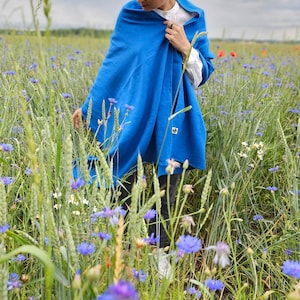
272,188
4,228
122,290
214,285
189,244
108,213
11,72
274,169
28,171
291,268
19,257
151,240
77,183
66,95
6,147
288,251
77,51
150,214
14,282
86,248
129,107
34,80
257,217
33,66
139,275
194,291
102,235
112,100
7,180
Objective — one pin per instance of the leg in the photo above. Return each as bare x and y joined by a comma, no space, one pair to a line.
167,202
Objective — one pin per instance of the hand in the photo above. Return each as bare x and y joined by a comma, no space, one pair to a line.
76,117
175,34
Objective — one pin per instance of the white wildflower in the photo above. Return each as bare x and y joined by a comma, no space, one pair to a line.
187,222
172,165
222,252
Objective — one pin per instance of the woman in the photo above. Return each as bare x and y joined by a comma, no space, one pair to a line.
141,76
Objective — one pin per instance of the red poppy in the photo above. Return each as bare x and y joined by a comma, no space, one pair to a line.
233,54
221,53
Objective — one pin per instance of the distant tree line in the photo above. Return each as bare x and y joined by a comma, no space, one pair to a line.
90,32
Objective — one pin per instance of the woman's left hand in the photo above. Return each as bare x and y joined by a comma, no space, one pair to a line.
175,34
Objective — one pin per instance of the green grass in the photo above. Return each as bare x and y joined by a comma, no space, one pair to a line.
251,108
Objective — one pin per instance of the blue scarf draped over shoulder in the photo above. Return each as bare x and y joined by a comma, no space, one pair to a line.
140,76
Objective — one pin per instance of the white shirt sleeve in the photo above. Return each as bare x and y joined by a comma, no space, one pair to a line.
194,68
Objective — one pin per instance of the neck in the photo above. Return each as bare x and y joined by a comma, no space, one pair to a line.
168,5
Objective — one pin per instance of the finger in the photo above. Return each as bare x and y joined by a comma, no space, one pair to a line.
169,24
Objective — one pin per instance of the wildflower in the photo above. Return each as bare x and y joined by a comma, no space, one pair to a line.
73,200
222,251
221,53
28,171
6,147
274,169
93,273
224,191
257,217
151,240
112,100
57,206
76,212
108,213
77,183
288,251
172,165
11,72
233,54
189,244
19,257
57,195
7,180
187,222
34,80
14,282
129,107
291,268
150,214
272,188
33,66
140,243
102,235
66,95
195,292
188,189
86,248
121,290
214,285
76,284
4,228
139,275
46,241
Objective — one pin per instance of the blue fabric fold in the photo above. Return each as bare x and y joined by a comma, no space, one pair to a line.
142,72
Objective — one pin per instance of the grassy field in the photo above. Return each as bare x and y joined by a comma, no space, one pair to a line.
57,242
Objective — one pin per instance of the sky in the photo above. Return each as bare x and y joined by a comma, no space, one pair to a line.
246,19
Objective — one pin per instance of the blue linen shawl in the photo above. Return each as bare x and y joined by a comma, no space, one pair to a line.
142,71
